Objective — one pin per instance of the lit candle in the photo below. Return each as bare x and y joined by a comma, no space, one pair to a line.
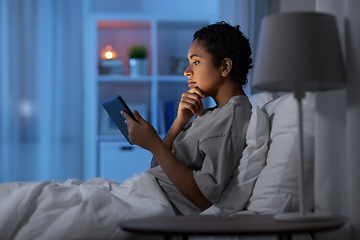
109,54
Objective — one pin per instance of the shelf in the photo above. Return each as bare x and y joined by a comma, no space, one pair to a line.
172,78
122,36
111,24
111,138
127,78
155,96
174,39
123,78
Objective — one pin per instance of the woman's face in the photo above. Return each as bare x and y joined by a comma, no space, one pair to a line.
201,72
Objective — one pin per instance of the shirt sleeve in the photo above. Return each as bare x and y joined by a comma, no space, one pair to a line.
221,156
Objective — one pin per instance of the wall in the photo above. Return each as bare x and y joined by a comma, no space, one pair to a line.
158,7
278,6
336,123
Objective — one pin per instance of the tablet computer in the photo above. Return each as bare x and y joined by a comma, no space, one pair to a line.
113,107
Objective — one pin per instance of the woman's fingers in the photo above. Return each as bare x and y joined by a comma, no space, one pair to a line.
198,91
190,104
192,101
141,132
127,117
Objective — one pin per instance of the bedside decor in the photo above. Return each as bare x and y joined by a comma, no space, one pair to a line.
139,65
109,54
299,52
109,65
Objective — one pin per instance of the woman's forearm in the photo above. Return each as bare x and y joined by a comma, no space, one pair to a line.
181,176
168,140
173,132
189,105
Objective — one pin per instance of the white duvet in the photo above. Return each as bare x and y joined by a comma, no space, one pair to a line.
52,210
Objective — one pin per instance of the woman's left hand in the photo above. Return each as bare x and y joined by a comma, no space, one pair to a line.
141,132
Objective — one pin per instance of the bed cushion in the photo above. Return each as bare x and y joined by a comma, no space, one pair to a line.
276,188
239,189
260,99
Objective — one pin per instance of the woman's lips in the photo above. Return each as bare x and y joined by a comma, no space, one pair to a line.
191,83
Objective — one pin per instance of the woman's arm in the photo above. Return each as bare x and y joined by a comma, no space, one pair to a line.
144,135
168,140
181,176
189,105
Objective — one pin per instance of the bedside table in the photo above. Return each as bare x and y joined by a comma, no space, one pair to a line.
235,225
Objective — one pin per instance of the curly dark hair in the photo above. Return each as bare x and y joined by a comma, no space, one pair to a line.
222,40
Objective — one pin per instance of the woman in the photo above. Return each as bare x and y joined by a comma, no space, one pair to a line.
195,161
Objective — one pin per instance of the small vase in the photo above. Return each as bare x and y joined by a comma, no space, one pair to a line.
139,67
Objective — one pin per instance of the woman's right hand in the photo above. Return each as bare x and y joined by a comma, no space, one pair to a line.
190,104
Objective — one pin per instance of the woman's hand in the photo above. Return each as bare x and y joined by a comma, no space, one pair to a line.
190,104
140,131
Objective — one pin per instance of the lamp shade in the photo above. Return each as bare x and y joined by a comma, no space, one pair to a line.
299,50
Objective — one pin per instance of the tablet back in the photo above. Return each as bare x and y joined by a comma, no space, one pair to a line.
113,107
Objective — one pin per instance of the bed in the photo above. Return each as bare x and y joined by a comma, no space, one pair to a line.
264,182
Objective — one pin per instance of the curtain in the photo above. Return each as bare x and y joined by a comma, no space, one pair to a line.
248,15
41,87
337,133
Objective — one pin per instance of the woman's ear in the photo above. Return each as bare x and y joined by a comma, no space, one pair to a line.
226,67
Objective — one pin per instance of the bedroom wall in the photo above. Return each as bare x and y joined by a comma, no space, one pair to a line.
337,132
331,139
278,6
338,162
158,7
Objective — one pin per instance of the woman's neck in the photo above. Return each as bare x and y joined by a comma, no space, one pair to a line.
227,91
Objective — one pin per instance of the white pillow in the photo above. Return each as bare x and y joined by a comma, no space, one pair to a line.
239,189
259,99
276,188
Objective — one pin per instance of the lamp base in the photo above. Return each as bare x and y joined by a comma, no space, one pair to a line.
303,217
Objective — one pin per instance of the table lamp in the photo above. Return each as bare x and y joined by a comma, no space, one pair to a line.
299,51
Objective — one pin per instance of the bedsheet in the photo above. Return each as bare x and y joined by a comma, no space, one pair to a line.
78,210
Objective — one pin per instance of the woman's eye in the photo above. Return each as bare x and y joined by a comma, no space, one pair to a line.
196,62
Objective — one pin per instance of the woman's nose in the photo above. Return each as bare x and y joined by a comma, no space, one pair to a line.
188,71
